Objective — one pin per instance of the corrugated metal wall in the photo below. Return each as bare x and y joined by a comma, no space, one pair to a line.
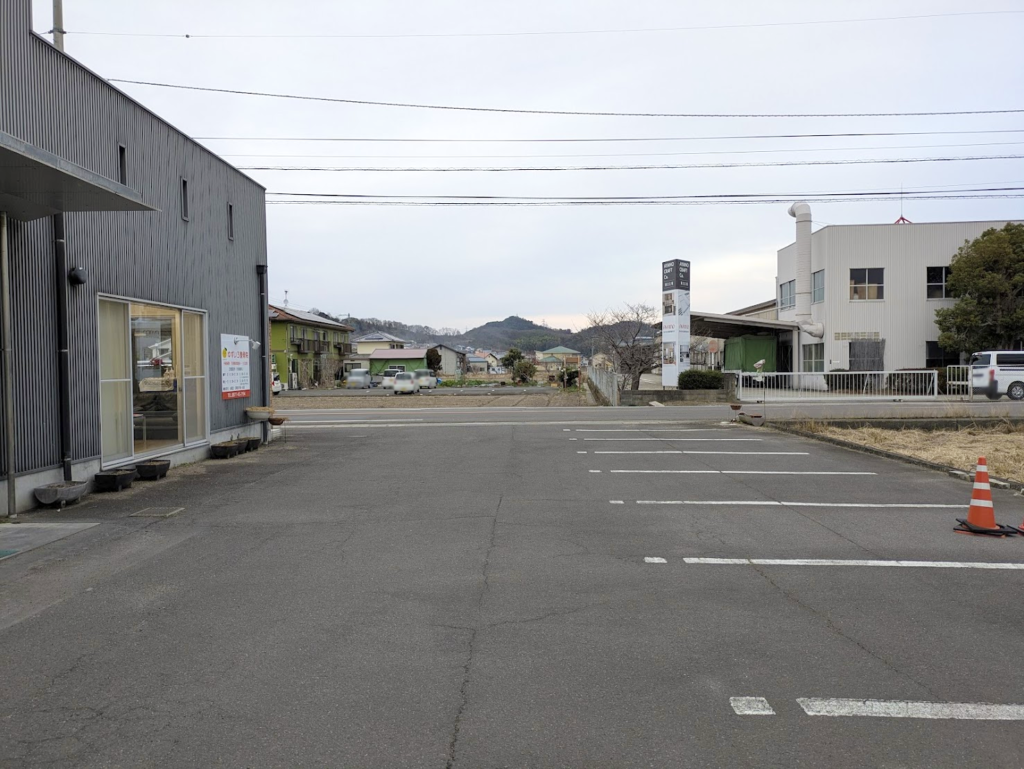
54,103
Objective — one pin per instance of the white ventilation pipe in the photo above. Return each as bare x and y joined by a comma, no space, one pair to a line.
802,213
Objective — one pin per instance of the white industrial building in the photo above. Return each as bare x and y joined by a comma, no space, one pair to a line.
864,296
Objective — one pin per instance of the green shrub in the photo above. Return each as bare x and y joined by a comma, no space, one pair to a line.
567,377
695,379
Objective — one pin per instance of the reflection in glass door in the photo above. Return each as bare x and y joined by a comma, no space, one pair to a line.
156,392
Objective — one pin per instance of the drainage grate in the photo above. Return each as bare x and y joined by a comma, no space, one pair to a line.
157,512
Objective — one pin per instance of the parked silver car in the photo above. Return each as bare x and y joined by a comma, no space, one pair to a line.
388,382
406,382
425,378
358,379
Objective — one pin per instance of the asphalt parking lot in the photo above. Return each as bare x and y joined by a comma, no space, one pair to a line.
523,588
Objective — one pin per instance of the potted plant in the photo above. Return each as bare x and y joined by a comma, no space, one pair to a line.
223,450
259,413
278,421
60,493
153,469
252,444
114,480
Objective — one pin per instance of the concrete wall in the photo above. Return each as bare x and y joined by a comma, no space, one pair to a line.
644,397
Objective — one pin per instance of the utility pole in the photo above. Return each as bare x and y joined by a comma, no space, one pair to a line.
58,25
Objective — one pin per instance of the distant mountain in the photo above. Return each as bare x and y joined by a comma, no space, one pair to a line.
495,335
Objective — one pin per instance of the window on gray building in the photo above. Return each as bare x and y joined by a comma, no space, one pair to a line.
231,222
122,164
938,280
184,199
787,294
814,357
817,286
867,283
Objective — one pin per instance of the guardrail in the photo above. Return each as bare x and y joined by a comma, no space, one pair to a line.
837,385
606,381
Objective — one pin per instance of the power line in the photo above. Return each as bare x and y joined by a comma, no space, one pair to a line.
323,36
628,154
527,204
612,139
506,169
509,110
724,196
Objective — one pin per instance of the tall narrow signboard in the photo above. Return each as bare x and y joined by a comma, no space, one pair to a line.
675,320
234,367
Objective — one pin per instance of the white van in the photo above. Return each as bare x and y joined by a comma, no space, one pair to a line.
358,379
997,373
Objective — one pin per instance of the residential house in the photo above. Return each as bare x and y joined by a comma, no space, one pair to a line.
566,357
138,266
377,340
453,362
477,364
406,359
307,349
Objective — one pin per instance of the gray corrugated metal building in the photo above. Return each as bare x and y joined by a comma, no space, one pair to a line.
171,243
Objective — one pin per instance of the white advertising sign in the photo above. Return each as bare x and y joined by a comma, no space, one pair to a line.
234,366
675,320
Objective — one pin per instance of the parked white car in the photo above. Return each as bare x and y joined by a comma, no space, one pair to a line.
996,373
358,379
405,382
388,382
425,378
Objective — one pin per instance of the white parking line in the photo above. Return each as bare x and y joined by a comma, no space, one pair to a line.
660,430
744,472
984,565
654,559
774,503
616,502
676,440
965,711
597,471
751,706
742,453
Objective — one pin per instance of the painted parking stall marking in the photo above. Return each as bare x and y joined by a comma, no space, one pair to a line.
751,706
731,453
742,472
966,711
980,565
775,503
654,559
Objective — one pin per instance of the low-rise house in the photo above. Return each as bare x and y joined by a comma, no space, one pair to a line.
377,340
477,364
407,359
568,358
308,350
453,362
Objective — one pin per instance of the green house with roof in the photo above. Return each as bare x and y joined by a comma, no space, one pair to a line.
307,350
559,357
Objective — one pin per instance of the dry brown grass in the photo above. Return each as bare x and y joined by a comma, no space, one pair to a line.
1002,445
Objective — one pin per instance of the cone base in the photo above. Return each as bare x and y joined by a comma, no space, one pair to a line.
969,528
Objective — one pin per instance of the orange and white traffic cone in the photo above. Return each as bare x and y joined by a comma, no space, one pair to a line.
981,517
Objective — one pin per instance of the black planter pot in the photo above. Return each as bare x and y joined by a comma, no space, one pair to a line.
114,480
253,444
153,469
241,445
223,450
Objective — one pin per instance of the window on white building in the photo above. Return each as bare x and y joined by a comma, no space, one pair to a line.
936,357
787,294
814,357
938,280
867,283
817,286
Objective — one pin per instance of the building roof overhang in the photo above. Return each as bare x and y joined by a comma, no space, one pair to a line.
727,326
35,183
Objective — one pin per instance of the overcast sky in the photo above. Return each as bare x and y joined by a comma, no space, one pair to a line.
463,266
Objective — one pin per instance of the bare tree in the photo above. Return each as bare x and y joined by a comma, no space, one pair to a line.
626,336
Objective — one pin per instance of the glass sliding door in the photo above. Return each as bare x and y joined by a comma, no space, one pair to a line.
195,376
115,381
156,390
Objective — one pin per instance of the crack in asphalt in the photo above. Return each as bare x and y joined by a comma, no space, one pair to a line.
831,626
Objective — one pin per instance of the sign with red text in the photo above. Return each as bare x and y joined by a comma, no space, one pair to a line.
234,367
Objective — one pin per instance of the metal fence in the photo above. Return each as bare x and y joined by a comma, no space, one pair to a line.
606,381
838,385
959,382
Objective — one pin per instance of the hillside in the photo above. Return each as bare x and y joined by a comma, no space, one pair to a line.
513,331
